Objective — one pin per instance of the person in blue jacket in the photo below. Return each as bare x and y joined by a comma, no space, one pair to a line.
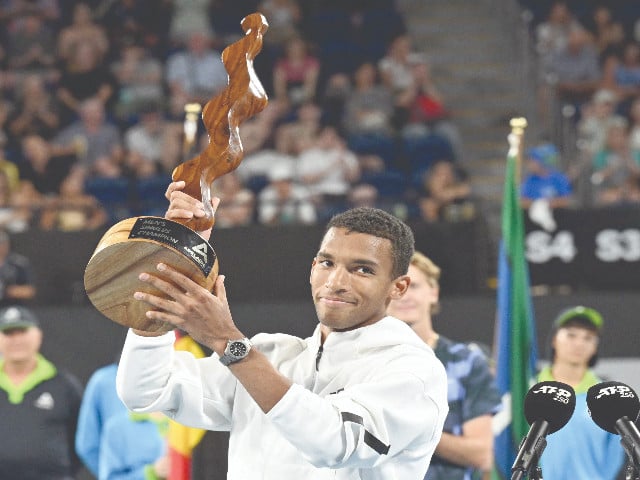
134,447
580,449
99,403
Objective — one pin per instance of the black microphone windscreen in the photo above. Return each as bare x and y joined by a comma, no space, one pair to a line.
551,401
609,401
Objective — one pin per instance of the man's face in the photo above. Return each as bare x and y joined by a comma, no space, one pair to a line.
19,345
351,280
416,305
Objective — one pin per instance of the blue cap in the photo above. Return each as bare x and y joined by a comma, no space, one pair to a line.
546,154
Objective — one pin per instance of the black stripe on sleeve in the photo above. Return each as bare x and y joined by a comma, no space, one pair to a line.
369,438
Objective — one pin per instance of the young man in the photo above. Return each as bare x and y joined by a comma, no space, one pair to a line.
466,445
580,449
38,404
363,397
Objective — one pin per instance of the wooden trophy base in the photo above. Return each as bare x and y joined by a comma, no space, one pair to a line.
137,245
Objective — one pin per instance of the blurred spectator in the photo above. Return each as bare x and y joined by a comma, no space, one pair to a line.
128,21
575,70
362,195
73,209
284,18
295,75
6,109
195,74
10,171
99,403
397,64
153,144
328,168
16,275
608,35
134,444
596,115
38,168
13,216
446,194
616,167
31,47
82,31
305,127
237,203
94,140
36,112
552,34
284,202
599,24
254,168
369,105
542,180
622,75
634,126
189,18
14,11
39,404
465,449
258,131
426,111
84,77
139,78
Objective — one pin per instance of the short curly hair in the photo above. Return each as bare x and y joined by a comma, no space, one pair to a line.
379,223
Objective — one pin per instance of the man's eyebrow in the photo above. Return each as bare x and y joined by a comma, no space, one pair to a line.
357,261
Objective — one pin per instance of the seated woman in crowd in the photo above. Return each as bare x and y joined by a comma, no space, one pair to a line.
446,194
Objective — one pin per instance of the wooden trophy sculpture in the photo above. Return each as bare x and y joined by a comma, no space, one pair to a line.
138,244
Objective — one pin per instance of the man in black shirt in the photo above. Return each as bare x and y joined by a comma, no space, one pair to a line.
38,405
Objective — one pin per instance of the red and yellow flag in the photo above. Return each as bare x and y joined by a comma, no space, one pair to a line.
182,440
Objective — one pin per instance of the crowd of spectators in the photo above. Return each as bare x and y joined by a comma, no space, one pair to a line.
589,58
92,97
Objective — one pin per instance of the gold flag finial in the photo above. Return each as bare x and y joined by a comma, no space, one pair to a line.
518,125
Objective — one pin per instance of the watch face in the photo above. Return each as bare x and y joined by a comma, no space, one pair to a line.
237,349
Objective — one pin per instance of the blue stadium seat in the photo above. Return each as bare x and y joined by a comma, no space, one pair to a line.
150,195
390,183
422,151
114,194
380,145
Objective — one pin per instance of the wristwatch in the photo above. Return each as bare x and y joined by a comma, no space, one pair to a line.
236,350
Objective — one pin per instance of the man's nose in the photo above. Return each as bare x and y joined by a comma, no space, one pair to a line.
337,279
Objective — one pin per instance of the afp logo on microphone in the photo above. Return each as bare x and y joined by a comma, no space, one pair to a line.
621,391
558,394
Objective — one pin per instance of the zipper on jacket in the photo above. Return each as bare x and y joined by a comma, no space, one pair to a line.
318,357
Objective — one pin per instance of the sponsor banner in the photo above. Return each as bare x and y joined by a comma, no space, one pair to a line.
598,248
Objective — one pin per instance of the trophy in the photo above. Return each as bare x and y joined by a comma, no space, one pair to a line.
137,245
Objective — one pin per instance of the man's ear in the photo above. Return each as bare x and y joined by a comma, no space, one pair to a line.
400,287
313,264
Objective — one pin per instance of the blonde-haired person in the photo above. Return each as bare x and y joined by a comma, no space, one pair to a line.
466,446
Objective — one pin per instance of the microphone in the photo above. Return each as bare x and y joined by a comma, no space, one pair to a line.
548,406
614,407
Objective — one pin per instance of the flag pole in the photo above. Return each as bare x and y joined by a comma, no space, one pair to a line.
514,342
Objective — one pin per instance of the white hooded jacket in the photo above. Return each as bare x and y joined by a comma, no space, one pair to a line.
369,403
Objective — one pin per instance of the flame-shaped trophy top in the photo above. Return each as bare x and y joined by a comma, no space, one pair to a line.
243,97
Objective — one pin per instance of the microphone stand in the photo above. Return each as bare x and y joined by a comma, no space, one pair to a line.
630,441
536,471
533,472
631,472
